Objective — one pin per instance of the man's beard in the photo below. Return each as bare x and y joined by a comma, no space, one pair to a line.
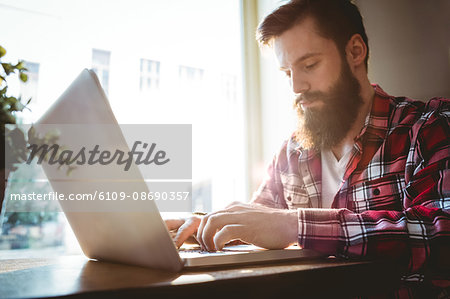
323,128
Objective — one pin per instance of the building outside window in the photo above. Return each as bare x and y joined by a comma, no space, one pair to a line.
149,76
229,87
190,77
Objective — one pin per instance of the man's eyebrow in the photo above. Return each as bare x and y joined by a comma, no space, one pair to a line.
302,58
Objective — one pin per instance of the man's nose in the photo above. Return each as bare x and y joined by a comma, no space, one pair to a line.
299,84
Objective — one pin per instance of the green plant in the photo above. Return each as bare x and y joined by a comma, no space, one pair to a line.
13,139
14,142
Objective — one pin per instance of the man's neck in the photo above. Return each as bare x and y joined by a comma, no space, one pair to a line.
367,94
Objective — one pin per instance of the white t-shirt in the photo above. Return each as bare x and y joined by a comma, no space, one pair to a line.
332,175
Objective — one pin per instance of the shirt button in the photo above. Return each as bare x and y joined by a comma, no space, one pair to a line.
376,191
289,198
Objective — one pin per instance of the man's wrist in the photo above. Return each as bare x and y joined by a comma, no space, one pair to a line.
293,226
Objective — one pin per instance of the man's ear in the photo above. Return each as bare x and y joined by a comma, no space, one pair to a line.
356,51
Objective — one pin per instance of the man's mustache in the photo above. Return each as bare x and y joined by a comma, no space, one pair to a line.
309,97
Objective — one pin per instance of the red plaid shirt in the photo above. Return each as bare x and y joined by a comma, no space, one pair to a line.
394,200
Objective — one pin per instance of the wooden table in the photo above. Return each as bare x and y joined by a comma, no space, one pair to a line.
76,276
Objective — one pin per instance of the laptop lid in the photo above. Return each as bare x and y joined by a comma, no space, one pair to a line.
82,116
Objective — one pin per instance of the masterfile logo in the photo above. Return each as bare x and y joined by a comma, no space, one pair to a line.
54,154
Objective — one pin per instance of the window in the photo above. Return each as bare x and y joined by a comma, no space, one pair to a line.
190,74
159,64
229,87
190,77
100,65
150,76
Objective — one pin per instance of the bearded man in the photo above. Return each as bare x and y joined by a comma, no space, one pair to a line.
365,175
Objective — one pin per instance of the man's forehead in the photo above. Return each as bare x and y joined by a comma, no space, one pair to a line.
300,40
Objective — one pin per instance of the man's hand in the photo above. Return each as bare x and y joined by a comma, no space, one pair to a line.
255,224
185,228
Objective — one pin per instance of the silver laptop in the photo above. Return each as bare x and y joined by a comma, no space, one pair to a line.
131,237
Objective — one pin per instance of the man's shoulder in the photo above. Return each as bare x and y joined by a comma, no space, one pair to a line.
425,122
409,112
439,106
402,102
433,108
435,104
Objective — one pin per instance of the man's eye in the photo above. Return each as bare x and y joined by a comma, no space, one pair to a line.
310,66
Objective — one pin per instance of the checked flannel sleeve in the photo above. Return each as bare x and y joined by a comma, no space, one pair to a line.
416,233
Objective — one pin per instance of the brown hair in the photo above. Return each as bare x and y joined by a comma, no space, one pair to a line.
338,20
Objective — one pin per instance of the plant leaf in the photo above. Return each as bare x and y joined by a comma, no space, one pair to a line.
8,67
20,65
2,51
23,77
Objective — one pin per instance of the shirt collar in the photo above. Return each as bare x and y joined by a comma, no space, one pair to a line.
377,122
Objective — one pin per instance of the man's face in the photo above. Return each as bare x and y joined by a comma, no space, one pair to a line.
327,94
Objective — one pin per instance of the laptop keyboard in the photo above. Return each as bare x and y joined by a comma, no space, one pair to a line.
194,250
